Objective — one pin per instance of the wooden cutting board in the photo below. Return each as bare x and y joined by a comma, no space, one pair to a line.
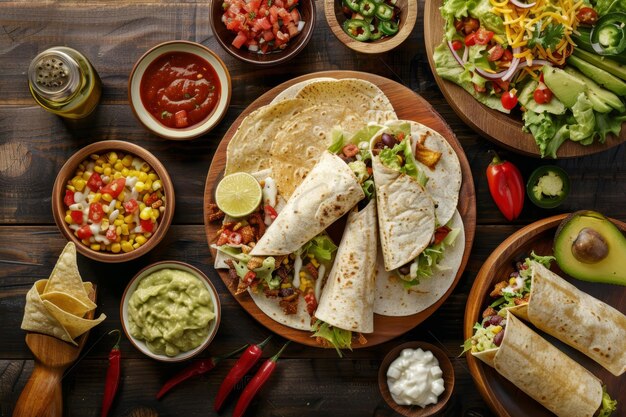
407,105
503,129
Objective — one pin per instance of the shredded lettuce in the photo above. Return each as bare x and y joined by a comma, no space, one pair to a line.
608,405
338,141
360,170
263,273
479,9
233,252
389,158
338,338
368,189
321,247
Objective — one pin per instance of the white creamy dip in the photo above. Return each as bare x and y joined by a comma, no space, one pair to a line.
415,378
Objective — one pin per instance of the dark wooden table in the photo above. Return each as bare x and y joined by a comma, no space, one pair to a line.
35,144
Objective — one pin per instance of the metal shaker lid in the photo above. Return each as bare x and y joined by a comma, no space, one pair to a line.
54,74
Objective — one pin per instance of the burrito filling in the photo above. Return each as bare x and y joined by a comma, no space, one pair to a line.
487,335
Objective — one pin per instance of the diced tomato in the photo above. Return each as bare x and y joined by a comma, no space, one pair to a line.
268,35
470,40
96,213
281,37
239,40
69,198
495,52
235,238
440,234
587,16
233,24
95,182
542,95
180,118
77,216
146,225
264,23
311,302
111,233
84,232
509,100
457,44
273,14
470,25
503,85
270,210
252,6
293,30
223,238
131,206
483,36
279,3
249,278
114,188
295,16
285,16
507,56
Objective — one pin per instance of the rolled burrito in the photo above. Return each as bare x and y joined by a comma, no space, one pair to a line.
347,300
541,370
587,324
329,191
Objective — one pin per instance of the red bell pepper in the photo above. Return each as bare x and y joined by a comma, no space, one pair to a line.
506,186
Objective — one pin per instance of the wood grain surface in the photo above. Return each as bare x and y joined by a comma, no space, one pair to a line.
408,106
35,144
503,129
502,395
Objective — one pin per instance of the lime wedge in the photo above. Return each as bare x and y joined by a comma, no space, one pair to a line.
238,194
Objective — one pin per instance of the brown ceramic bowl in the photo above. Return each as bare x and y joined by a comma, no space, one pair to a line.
67,173
415,410
132,286
149,121
335,19
225,36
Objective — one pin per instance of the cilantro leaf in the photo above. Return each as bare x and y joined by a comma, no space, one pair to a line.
549,38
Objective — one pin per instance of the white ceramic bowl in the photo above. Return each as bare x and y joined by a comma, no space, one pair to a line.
148,120
130,289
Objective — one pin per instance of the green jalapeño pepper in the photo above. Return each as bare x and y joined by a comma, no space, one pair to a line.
388,28
352,5
384,12
376,34
548,186
367,8
357,29
608,36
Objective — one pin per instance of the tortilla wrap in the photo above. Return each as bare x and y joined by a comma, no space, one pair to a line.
444,180
576,318
347,299
292,92
545,373
358,95
393,299
327,193
301,320
406,215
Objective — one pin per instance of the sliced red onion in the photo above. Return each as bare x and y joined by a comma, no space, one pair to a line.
491,75
465,53
521,5
455,55
514,64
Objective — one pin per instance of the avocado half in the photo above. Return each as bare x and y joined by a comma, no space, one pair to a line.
587,246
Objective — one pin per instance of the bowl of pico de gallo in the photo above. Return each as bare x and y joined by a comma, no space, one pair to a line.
263,32
114,200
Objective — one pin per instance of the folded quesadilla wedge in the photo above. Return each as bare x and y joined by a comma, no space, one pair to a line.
329,191
538,368
347,300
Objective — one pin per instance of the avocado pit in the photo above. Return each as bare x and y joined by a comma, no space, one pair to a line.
590,246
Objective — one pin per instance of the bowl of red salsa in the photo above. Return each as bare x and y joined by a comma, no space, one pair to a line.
179,90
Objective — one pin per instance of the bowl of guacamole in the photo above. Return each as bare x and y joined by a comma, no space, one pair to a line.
170,311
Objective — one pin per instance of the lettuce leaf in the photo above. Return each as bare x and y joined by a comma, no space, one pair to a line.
233,252
263,273
608,405
338,141
388,157
607,6
606,123
338,338
368,189
583,130
480,9
321,247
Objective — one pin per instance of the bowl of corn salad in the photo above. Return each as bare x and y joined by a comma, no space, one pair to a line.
114,200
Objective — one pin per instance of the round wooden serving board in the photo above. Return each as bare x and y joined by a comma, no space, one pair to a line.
503,397
498,127
407,105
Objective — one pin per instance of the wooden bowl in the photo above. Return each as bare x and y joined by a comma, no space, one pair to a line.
149,121
67,173
415,410
294,47
335,19
132,286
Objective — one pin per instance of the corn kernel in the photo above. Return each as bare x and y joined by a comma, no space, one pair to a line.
140,239
512,281
100,161
302,274
98,169
127,161
112,157
97,197
136,246
124,229
86,175
496,329
145,197
145,167
315,263
143,177
141,206
139,186
118,230
117,175
153,176
155,214
68,219
94,156
80,185
95,246
285,261
148,185
107,197
116,248
145,213
71,187
125,172
107,171
118,166
128,219
127,246
119,221
121,196
118,204
285,285
157,185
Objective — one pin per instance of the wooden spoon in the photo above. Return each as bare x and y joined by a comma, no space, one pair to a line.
42,395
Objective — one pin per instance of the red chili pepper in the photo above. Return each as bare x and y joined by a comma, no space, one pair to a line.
197,368
247,360
260,378
113,375
506,186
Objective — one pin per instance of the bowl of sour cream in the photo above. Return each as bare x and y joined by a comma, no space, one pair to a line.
416,379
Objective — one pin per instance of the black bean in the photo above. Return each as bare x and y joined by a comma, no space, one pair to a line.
495,320
285,292
497,340
388,140
405,269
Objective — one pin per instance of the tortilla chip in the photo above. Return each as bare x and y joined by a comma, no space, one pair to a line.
74,325
65,277
67,303
38,319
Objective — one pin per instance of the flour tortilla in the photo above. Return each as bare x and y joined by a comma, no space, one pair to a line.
347,299
576,318
406,215
300,142
361,96
392,299
301,320
444,181
292,92
545,373
328,192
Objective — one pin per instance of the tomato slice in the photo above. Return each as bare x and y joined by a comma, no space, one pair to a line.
440,234
470,40
456,45
270,210
542,95
84,232
114,188
587,16
239,40
131,206
95,182
69,197
77,216
507,56
495,52
147,225
483,37
96,213
509,100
